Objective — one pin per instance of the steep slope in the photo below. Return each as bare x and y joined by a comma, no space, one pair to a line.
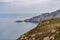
44,16
46,30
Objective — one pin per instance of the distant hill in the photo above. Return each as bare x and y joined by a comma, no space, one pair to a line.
46,30
44,16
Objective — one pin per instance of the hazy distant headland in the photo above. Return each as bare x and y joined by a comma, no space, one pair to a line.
45,16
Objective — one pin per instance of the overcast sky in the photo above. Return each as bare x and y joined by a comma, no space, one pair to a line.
28,6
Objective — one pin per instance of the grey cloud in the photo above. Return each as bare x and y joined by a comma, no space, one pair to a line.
33,8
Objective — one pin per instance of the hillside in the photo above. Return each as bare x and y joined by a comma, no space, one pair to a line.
46,30
44,16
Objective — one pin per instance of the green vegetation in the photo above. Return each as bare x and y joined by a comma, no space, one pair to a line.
57,35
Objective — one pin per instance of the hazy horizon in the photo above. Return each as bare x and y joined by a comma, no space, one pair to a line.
23,9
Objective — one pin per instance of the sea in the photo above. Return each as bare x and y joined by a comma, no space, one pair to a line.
10,29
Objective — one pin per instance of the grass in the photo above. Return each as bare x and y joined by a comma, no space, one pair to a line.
57,35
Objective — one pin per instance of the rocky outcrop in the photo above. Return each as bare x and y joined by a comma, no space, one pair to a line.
18,21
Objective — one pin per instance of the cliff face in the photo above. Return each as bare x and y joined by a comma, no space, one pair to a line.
44,16
46,30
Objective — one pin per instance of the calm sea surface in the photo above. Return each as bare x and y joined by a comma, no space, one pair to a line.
10,30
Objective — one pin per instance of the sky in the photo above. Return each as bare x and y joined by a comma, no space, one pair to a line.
28,6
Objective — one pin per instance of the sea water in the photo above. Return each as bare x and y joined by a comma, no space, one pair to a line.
10,30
